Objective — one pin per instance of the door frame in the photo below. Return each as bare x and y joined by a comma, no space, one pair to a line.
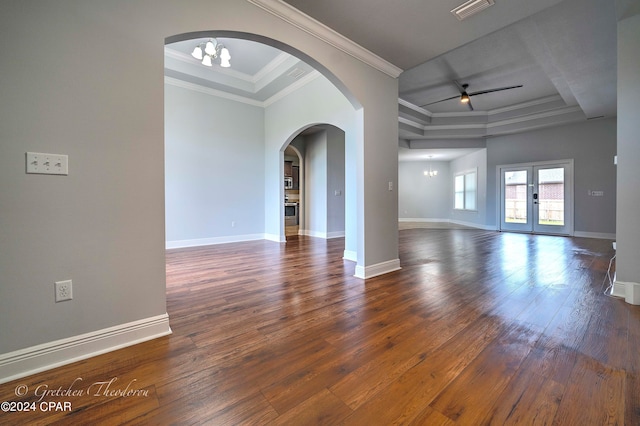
569,195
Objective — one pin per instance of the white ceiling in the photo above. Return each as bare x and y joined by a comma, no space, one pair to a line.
563,52
258,72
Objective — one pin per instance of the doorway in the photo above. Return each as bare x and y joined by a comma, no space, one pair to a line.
293,189
537,197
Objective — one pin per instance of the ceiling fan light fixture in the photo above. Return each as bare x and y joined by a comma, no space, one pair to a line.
208,51
430,173
225,56
464,98
210,48
197,53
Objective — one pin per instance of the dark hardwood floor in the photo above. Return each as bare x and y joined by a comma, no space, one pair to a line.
477,328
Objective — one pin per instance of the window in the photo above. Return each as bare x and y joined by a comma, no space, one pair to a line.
465,190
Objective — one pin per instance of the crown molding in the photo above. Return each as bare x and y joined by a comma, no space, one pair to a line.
532,117
460,114
271,67
242,99
415,107
292,87
320,31
213,92
535,102
525,123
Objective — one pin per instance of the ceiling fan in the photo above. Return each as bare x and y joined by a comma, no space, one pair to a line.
465,97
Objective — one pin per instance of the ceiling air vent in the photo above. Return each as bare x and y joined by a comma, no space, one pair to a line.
296,73
471,8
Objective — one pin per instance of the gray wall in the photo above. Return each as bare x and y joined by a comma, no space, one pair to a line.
335,182
422,197
103,225
214,168
315,180
628,211
317,103
324,211
592,146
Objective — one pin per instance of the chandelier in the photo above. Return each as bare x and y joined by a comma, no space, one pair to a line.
210,50
430,172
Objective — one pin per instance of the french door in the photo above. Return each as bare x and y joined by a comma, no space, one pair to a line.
537,198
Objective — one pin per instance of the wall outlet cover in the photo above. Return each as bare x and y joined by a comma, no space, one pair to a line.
64,290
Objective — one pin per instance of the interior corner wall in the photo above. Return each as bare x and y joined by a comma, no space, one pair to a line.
214,168
628,184
315,181
474,161
421,197
592,146
335,188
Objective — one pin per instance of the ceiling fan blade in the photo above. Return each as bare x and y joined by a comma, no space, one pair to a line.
442,100
470,106
482,92
461,87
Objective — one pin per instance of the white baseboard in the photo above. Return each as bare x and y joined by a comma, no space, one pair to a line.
336,234
274,237
323,235
421,219
371,271
599,235
457,222
473,225
350,255
24,362
630,291
214,240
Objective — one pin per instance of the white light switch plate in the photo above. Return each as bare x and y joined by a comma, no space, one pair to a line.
47,164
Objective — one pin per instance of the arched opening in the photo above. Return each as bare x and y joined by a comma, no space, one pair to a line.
317,193
224,151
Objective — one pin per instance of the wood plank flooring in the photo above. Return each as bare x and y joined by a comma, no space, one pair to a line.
477,328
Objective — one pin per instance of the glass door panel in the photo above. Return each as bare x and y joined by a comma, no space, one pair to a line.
550,199
537,198
516,194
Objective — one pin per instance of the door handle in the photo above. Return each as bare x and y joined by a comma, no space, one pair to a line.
535,198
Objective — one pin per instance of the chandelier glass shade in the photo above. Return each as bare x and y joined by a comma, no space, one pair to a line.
210,50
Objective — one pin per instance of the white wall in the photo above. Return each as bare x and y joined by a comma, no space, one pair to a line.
591,144
103,225
214,168
421,197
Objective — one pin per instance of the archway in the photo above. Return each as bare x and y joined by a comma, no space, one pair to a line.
321,193
320,100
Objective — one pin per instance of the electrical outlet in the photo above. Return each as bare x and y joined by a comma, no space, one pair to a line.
64,290
47,164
